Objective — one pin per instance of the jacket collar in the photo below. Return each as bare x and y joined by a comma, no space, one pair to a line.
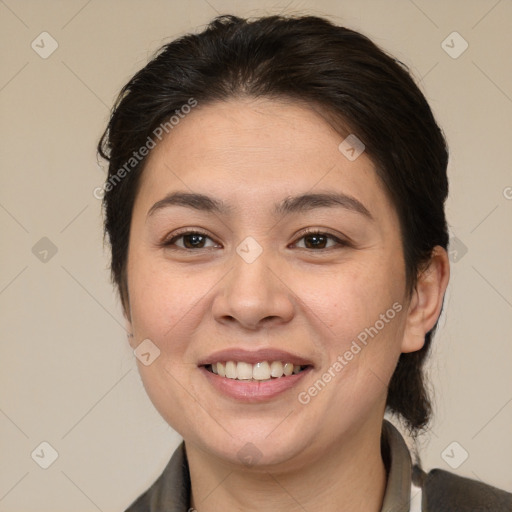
395,453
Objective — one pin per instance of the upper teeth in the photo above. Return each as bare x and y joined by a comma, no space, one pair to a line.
259,371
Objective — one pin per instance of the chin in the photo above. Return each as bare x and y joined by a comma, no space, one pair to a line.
254,447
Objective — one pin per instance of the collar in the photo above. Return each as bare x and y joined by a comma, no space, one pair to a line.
171,492
395,453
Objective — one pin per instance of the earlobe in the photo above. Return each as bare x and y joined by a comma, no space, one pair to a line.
426,301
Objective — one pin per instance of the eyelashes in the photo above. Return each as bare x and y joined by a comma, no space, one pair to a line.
195,240
321,237
196,237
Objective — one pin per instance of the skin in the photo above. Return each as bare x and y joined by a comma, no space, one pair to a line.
251,154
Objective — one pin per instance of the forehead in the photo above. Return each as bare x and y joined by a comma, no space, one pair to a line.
259,148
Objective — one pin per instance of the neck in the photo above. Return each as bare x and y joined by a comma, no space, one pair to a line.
348,476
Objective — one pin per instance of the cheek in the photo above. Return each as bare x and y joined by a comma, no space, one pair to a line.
166,306
352,298
361,312
164,300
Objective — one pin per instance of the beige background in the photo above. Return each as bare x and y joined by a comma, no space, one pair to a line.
67,374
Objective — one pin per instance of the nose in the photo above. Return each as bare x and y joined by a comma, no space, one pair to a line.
254,295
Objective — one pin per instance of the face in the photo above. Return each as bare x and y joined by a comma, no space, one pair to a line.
256,243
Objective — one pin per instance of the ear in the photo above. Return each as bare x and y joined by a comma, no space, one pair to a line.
426,300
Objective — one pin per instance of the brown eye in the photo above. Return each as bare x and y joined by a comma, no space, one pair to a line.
190,240
318,240
315,241
193,241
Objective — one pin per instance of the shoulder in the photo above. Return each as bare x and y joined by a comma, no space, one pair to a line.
447,492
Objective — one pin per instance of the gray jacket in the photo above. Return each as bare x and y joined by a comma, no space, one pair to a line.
442,491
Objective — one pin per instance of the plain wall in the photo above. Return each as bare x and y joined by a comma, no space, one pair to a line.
68,376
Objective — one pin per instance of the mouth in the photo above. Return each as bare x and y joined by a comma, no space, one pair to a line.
253,376
253,383
264,371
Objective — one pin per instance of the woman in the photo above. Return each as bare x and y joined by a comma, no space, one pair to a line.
275,208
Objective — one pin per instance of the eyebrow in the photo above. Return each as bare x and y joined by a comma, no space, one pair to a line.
292,204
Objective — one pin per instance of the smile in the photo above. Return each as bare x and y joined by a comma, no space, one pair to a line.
262,371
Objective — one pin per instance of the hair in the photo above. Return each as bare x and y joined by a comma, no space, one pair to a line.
331,68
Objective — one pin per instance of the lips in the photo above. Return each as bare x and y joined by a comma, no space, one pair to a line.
254,376
253,357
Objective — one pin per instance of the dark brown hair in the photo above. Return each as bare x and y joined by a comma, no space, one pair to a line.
332,68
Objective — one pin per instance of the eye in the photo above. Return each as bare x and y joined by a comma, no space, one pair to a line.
319,240
311,240
190,240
